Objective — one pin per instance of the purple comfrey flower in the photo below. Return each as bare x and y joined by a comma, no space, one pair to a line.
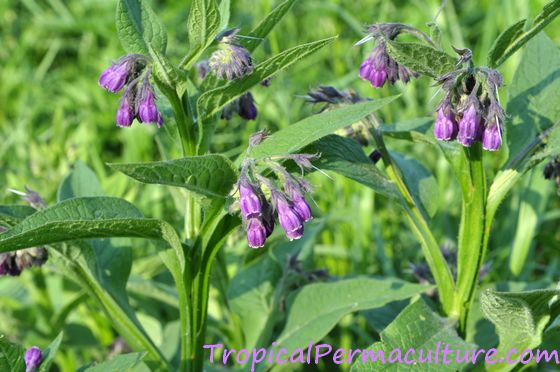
374,68
33,358
147,109
445,128
492,136
256,232
249,200
231,61
125,113
289,219
114,78
299,204
246,107
469,126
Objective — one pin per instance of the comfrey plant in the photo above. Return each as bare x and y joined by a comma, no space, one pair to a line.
270,300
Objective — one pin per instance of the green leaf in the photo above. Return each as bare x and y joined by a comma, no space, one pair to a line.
318,307
417,327
259,33
514,37
11,356
534,94
415,130
421,58
49,353
520,319
420,182
225,6
138,26
14,214
123,362
308,130
212,101
208,175
203,26
80,182
346,157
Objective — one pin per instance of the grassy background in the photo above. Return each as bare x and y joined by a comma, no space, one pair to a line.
53,113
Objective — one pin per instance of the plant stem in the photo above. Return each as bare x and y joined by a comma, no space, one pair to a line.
471,233
430,248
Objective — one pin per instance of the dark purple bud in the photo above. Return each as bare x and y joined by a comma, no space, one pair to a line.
249,201
256,233
302,208
289,219
445,128
469,126
125,113
246,107
114,78
375,156
147,109
202,68
492,136
231,61
33,358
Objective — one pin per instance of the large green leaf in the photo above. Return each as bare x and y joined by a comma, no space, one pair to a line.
533,94
421,58
317,308
11,356
515,36
418,328
203,26
81,181
138,26
520,319
208,175
346,157
14,214
310,129
214,100
123,362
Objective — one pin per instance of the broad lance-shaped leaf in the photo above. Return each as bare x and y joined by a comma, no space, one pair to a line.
122,362
310,129
11,356
138,26
418,328
421,58
520,319
13,214
85,218
208,175
49,353
346,157
203,26
212,101
513,38
317,308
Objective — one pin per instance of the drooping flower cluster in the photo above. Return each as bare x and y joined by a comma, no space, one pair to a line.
33,358
552,171
470,110
287,204
379,67
231,60
132,72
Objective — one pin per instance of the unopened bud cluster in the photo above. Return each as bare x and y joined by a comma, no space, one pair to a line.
132,72
231,61
285,203
470,110
379,67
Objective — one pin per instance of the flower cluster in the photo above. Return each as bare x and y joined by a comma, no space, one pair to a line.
287,203
33,358
132,72
470,110
552,170
379,67
231,60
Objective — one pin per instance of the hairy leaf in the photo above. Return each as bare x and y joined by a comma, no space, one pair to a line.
49,353
504,40
318,307
214,100
208,175
421,58
418,328
122,362
310,129
11,356
520,319
203,26
138,26
14,214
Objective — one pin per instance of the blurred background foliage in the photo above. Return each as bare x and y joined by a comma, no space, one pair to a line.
53,113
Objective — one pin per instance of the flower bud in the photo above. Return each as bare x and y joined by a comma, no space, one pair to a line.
231,61
246,107
374,70
445,128
33,358
469,126
492,137
147,109
249,201
114,78
256,232
289,219
125,113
